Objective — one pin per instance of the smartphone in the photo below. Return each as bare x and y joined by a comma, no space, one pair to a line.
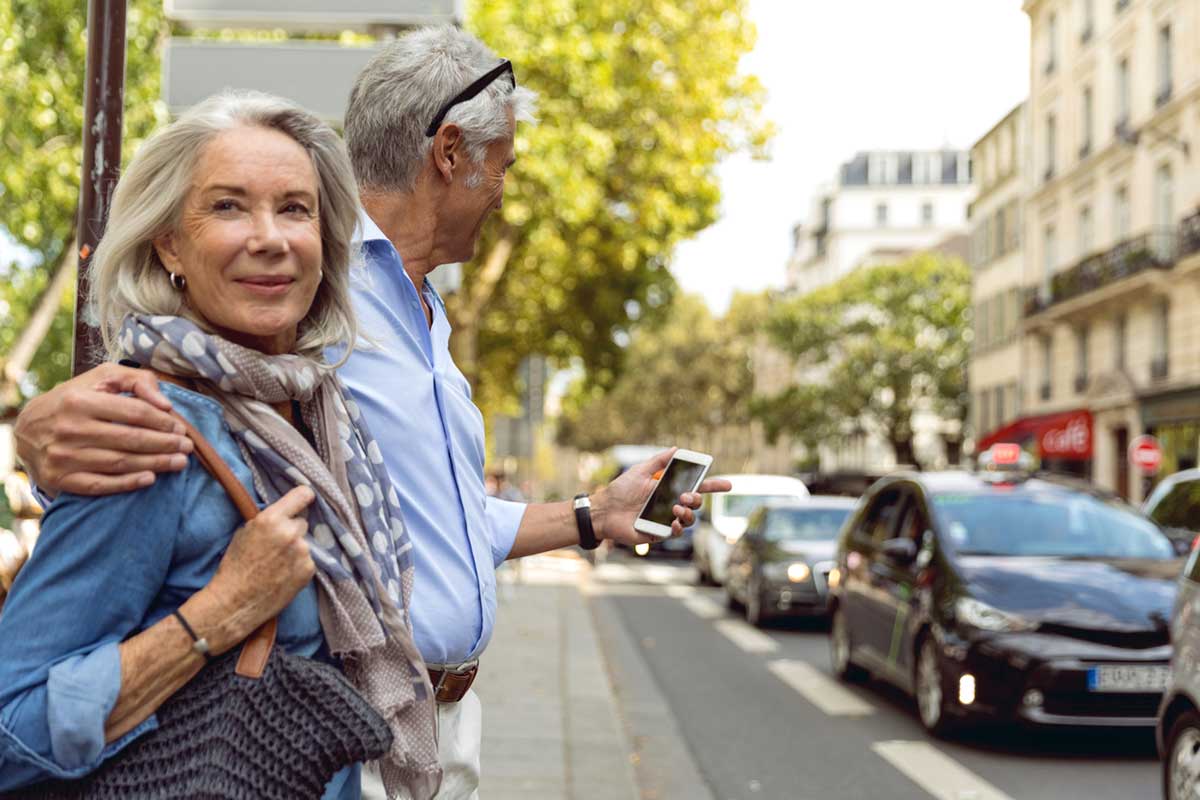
683,474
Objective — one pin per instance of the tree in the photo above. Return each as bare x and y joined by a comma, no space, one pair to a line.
42,59
638,103
689,374
877,346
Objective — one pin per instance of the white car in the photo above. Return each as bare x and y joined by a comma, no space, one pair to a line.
723,519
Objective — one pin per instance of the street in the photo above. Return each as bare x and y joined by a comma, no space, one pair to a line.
763,717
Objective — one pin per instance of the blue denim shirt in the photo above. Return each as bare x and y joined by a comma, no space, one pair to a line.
104,569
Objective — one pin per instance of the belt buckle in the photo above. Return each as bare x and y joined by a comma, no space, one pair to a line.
461,669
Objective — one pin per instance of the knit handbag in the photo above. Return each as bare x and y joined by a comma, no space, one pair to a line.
259,724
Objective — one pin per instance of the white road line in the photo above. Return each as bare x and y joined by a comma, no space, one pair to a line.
820,689
936,772
745,637
680,591
705,608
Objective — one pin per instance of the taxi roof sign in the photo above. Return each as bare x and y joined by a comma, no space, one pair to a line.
1006,454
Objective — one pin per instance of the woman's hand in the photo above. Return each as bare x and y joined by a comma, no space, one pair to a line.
264,568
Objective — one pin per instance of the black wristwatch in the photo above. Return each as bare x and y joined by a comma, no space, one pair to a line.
583,519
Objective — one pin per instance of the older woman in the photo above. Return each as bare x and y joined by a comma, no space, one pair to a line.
225,264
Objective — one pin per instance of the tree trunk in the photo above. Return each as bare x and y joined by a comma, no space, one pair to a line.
466,306
16,364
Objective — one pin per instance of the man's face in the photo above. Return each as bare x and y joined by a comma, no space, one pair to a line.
477,191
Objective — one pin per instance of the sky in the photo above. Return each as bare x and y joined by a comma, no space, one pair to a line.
844,76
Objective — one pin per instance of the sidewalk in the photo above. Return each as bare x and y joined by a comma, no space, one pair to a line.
552,729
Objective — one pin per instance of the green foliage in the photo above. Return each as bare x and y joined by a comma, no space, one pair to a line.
879,345
638,103
43,53
688,373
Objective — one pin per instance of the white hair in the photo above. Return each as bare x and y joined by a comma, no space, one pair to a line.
403,87
127,276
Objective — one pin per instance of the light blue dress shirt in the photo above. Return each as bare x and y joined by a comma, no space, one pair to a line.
418,406
105,569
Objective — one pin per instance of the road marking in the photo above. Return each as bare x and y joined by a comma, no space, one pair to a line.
705,608
820,689
936,772
745,637
680,591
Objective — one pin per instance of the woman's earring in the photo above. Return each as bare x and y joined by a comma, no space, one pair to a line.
178,281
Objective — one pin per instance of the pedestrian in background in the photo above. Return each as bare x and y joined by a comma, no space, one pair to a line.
430,130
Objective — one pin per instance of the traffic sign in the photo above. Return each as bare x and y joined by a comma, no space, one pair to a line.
1146,454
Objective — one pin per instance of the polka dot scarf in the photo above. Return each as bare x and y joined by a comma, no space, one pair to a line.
356,531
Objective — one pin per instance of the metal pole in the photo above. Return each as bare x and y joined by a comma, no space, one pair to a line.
104,106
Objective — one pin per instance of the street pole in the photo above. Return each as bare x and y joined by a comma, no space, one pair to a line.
104,106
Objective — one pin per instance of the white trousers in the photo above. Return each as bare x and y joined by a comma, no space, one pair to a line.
460,738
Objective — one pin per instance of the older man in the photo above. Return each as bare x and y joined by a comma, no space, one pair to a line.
430,129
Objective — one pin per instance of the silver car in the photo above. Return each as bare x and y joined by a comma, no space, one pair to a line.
1179,716
724,516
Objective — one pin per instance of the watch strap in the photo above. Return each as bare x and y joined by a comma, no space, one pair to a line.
583,520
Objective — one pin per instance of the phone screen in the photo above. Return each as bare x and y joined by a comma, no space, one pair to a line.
681,476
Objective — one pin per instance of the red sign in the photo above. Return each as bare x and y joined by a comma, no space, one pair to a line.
1067,436
1145,454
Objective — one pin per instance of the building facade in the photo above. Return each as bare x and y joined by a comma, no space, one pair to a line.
883,206
1111,298
996,256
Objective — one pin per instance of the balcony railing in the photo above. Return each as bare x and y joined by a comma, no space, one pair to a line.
1189,235
1155,250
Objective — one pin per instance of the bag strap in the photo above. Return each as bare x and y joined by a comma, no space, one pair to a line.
257,648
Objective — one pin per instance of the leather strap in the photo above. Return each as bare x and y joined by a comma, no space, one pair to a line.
257,648
450,686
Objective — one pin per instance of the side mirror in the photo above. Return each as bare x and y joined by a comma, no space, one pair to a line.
901,551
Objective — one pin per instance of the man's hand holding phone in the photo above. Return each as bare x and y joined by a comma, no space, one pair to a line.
617,507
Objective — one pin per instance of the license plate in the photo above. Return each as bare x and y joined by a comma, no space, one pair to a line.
1129,678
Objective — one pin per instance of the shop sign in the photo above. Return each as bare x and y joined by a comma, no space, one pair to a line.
1146,454
1069,436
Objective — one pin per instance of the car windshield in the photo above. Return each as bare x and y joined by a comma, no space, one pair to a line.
805,524
1036,523
742,505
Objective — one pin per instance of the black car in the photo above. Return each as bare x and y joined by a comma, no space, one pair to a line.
1022,598
779,567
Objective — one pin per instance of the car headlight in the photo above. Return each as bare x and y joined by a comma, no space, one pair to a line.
796,572
986,618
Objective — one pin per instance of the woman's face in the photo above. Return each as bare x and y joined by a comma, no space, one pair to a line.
249,239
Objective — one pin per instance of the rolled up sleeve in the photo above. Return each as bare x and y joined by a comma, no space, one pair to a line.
504,518
98,565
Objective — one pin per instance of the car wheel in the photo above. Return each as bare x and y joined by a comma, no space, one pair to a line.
1181,767
839,650
755,614
929,689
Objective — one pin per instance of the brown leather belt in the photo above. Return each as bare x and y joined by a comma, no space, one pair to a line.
451,685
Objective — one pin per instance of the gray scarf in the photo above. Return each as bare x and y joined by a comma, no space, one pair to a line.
356,533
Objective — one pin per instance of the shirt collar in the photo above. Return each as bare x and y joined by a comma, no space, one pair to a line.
368,231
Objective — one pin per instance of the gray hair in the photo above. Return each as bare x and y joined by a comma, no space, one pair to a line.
402,88
127,276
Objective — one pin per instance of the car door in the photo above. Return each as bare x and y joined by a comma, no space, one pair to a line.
897,583
862,607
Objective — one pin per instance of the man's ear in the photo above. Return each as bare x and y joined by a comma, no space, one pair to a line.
447,150
164,247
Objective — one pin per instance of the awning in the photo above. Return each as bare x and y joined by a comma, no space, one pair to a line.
1066,435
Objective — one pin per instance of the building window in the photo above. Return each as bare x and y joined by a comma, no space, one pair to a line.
985,418
1121,213
1001,231
881,214
1051,142
1085,231
927,213
1049,256
998,406
1122,100
1051,43
1047,368
983,326
1089,21
1164,210
1081,359
1120,334
1162,343
1087,112
1164,66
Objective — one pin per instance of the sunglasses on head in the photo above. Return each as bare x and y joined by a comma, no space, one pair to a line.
469,92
